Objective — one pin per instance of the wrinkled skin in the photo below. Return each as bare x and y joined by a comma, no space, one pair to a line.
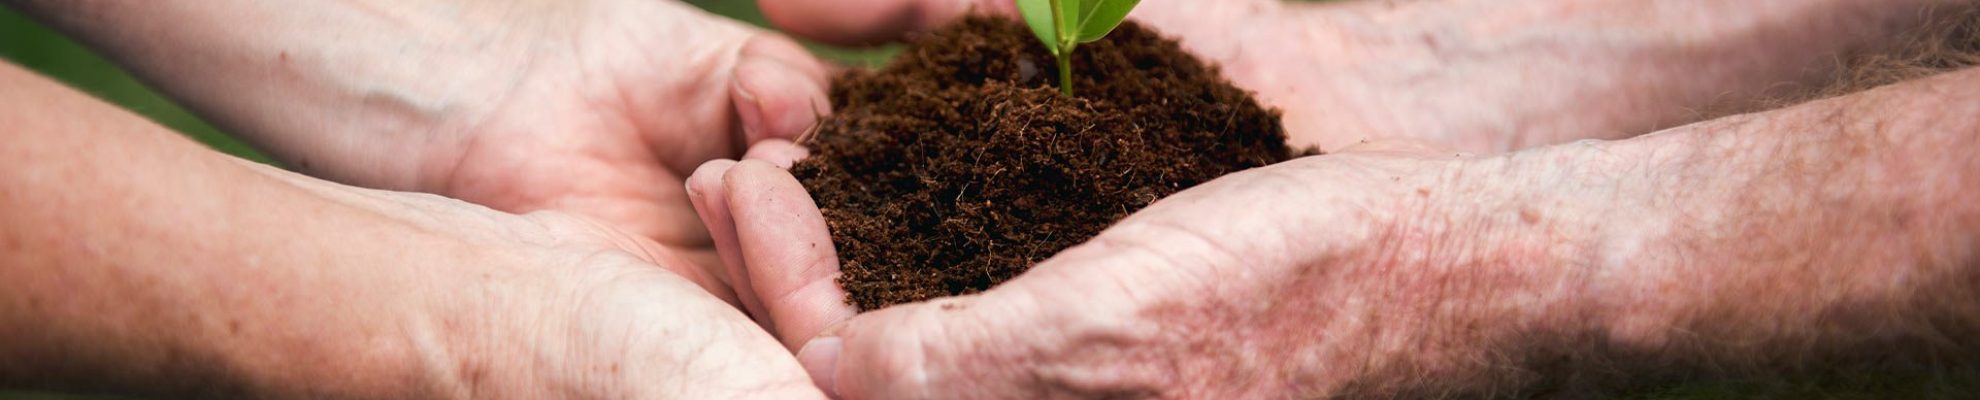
1388,268
655,90
1188,298
141,263
556,306
598,107
1391,270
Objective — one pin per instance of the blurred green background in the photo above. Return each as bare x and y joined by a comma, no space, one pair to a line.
24,42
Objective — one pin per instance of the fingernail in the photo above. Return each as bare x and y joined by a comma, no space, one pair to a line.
820,358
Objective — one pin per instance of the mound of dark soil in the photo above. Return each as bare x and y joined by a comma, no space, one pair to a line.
959,165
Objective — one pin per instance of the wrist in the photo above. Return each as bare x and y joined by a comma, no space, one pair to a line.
372,317
1468,260
1519,257
1539,242
1594,219
1797,217
1593,69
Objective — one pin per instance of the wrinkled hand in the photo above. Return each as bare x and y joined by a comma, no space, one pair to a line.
544,305
595,107
609,129
1318,276
796,293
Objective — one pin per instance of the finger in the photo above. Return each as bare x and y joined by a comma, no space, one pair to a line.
942,348
779,152
710,202
787,251
1031,337
870,22
777,94
774,102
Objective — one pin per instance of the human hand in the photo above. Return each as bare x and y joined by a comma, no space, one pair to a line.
143,263
545,305
1168,302
1478,76
611,131
441,298
1330,278
595,107
1782,241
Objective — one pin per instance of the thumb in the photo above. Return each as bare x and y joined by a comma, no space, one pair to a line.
984,346
787,252
866,22
899,352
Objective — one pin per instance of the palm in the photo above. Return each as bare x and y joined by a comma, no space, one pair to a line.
564,307
1146,271
626,297
610,128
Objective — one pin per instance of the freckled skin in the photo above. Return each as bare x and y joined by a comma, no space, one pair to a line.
1636,264
1773,241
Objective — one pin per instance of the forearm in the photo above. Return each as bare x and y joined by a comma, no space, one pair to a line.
1500,76
1831,231
1830,234
337,89
139,262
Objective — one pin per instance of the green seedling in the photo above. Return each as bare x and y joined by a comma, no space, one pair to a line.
1064,24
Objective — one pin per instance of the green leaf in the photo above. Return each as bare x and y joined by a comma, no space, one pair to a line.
1099,17
1064,24
1038,14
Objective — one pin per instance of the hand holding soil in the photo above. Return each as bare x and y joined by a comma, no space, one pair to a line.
1156,233
1400,273
1244,287
1388,272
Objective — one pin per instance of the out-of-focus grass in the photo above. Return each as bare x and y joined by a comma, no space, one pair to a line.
31,45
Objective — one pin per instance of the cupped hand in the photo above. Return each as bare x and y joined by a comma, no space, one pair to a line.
543,305
616,105
596,107
1324,275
